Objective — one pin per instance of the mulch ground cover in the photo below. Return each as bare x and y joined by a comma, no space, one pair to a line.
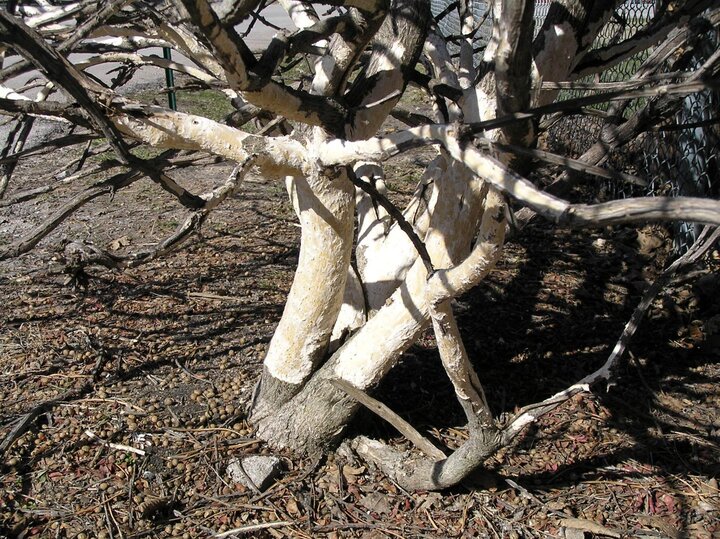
136,387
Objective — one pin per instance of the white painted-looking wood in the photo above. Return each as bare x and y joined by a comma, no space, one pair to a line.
352,315
464,276
301,13
376,347
326,215
554,60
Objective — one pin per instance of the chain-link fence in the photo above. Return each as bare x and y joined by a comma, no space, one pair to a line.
684,159
673,161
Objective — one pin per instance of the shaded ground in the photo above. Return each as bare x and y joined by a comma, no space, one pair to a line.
161,360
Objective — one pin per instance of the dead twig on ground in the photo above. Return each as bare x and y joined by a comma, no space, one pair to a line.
253,528
120,447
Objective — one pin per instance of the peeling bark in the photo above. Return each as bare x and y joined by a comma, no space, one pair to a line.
301,340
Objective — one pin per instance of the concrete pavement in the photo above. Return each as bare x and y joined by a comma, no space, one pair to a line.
258,39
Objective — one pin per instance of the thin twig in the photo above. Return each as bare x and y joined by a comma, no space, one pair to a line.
253,528
106,507
405,428
120,447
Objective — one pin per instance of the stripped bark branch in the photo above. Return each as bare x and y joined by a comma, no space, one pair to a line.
700,210
403,427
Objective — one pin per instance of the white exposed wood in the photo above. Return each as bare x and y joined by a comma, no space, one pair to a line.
452,282
467,72
436,50
352,315
301,13
386,259
384,252
166,129
122,40
326,215
48,15
189,44
554,60
376,347
440,290
566,41
9,93
481,165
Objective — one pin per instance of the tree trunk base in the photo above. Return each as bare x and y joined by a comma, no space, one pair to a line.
418,473
269,395
313,421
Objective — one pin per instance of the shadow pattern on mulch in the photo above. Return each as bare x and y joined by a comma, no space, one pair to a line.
185,337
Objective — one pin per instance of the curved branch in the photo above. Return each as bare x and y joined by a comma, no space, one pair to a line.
403,427
533,412
603,58
699,210
396,49
425,474
140,60
566,162
163,128
260,90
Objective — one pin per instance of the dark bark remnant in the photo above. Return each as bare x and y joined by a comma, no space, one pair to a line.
513,64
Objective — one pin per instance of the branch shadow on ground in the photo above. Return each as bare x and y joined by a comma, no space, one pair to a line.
549,315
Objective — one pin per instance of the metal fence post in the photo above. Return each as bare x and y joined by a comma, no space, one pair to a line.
170,80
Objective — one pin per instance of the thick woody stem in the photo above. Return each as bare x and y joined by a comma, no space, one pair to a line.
701,210
326,208
567,33
444,285
258,88
415,473
453,355
467,71
513,63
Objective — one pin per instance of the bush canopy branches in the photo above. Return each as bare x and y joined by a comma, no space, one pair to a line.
371,277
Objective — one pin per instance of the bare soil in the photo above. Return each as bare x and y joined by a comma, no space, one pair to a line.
139,383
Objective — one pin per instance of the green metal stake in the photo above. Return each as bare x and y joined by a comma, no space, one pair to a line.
170,79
